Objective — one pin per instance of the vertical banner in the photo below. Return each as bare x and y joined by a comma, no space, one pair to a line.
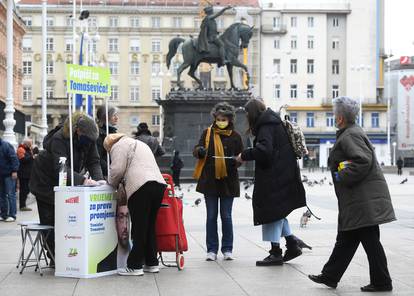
406,110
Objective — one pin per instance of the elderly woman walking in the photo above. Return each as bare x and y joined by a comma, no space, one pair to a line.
133,164
218,178
363,199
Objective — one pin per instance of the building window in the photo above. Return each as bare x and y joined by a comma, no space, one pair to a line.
113,44
27,20
49,44
311,22
375,120
294,42
134,121
156,45
310,91
276,22
155,93
330,121
113,21
155,68
335,67
134,22
276,91
219,71
311,42
177,22
134,94
276,66
311,66
134,68
27,44
93,22
134,45
27,93
27,67
335,44
335,21
114,93
197,23
94,45
293,117
49,67
156,22
68,44
276,44
50,21
113,68
156,120
293,91
310,119
293,66
220,23
176,65
335,91
49,92
69,21
293,21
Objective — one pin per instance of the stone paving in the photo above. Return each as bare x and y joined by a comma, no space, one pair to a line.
241,276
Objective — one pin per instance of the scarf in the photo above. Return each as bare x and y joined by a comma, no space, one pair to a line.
219,163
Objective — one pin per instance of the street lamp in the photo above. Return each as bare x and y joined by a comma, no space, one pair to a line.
161,75
43,130
360,69
394,145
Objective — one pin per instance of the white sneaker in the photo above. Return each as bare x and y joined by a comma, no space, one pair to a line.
211,256
1,218
10,219
130,272
228,256
151,269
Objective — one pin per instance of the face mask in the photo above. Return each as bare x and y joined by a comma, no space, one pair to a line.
84,140
222,124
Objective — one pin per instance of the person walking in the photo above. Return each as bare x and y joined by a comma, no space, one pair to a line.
176,166
144,190
278,189
218,179
25,156
9,166
363,199
144,135
400,164
101,121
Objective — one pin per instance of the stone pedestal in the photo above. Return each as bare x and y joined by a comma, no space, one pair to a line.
187,114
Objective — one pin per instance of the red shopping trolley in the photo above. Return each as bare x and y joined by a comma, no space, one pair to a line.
169,228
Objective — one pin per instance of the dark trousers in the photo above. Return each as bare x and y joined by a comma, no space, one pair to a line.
47,217
176,177
143,207
347,243
399,171
24,191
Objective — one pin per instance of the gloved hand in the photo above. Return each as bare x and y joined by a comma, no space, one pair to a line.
337,177
202,152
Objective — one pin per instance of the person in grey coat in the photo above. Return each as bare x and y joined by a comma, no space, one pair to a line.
363,199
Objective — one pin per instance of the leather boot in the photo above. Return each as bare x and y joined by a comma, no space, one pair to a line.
292,249
274,259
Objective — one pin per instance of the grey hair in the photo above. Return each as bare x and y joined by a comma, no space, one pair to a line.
346,107
224,109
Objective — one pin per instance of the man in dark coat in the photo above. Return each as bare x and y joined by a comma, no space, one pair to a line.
25,155
363,199
400,164
45,173
144,135
9,165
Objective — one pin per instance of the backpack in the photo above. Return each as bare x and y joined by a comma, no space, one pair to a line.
296,137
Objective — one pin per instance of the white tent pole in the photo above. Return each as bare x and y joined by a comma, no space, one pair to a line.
72,178
107,133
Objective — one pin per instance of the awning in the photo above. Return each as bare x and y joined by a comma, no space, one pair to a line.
19,116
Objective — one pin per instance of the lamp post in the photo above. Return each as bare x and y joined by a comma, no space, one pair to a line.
161,76
43,130
360,69
9,110
394,145
389,111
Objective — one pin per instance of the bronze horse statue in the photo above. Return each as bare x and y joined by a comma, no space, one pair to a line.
235,37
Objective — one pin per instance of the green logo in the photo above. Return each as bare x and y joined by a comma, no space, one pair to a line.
73,252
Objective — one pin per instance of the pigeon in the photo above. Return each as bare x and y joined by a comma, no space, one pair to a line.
330,183
181,196
246,196
197,202
305,179
404,181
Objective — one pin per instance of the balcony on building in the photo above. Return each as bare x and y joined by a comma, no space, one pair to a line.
270,29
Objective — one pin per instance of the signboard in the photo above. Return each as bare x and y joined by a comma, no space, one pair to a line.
86,80
406,110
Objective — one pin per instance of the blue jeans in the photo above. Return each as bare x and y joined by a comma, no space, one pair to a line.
212,240
273,231
7,197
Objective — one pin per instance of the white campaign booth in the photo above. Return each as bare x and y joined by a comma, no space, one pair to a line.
85,231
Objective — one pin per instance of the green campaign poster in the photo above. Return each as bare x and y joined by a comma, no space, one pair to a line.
86,80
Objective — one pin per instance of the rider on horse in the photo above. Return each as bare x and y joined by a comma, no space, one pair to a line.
209,34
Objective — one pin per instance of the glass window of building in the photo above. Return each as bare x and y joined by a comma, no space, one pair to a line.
311,42
113,44
156,120
219,71
27,20
50,44
177,22
293,21
113,68
276,66
49,92
335,67
293,117
27,67
134,68
276,22
311,21
134,93
330,121
335,21
134,22
49,67
114,93
335,91
375,119
293,66
276,91
156,22
156,45
155,93
310,91
310,66
310,119
134,45
27,93
113,21
155,68
50,21
294,42
335,43
69,21
276,43
293,91
93,22
68,44
27,43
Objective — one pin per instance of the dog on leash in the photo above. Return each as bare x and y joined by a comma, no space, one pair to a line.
305,219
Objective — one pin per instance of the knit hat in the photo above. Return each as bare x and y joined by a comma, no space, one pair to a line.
224,109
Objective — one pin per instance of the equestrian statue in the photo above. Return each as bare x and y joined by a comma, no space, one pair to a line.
212,48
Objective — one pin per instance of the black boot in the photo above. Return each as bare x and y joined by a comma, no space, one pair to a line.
292,249
275,257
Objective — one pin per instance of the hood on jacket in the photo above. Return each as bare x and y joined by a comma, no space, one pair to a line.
85,124
267,117
112,139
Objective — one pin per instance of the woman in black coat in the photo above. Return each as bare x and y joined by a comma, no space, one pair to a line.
278,189
217,177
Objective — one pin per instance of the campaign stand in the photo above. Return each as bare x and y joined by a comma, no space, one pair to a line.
85,231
